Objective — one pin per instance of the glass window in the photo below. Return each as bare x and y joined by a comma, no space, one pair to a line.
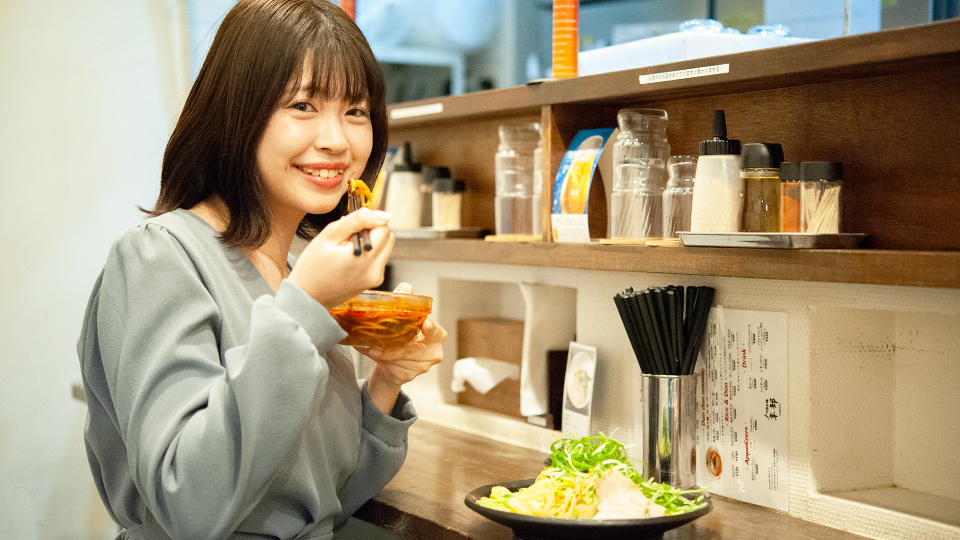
432,48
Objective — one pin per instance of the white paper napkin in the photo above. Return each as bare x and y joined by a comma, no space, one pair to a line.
483,374
550,322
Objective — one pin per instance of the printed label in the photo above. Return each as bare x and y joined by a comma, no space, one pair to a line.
703,71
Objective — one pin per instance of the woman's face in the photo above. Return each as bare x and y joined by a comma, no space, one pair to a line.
310,150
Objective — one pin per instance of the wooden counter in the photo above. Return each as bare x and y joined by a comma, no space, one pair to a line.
425,500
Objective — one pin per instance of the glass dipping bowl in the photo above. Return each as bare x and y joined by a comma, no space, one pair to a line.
382,320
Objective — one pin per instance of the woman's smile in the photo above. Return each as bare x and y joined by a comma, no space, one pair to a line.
324,175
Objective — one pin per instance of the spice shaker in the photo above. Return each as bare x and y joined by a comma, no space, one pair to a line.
760,171
678,195
718,188
790,197
447,202
429,175
820,185
403,199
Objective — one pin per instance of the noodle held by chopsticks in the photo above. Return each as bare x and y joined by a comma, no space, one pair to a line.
358,195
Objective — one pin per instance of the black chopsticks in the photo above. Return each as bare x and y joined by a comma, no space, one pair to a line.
665,326
353,204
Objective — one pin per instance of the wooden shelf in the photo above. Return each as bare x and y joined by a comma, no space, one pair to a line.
852,57
883,103
878,267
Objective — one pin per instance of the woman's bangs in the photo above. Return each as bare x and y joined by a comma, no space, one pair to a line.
338,73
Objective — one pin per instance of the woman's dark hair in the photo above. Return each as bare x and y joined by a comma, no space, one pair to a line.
255,61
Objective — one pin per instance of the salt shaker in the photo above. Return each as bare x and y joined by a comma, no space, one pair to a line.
718,188
403,198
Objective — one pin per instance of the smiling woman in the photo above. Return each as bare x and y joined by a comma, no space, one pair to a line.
220,403
294,59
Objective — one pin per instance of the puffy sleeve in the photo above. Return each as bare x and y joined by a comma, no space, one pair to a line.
383,447
204,429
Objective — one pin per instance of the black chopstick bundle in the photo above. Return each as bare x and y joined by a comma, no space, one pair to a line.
665,326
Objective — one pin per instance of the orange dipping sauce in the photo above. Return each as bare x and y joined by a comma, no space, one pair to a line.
382,320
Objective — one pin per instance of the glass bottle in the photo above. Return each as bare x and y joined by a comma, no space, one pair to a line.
518,185
639,174
429,176
678,195
447,202
820,185
760,171
790,197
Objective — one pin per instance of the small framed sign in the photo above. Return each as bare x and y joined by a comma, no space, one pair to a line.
578,389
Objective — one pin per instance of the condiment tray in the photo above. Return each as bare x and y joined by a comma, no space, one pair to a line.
774,240
430,233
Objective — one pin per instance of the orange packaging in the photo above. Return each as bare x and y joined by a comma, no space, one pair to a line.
349,6
566,21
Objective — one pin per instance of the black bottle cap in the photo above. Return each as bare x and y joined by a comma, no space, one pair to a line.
761,156
821,170
789,171
406,164
449,185
431,174
719,144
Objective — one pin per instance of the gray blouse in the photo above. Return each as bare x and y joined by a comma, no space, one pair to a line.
218,409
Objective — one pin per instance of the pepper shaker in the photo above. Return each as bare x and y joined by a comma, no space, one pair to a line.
790,197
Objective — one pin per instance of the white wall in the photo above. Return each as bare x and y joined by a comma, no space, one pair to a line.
88,94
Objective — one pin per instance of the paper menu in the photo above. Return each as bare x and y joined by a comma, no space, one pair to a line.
743,438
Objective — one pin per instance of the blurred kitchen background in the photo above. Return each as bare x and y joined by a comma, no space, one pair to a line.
89,92
438,47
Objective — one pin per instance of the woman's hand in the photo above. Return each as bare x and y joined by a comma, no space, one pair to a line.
399,366
329,271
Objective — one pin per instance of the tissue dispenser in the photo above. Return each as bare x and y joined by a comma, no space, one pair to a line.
499,339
